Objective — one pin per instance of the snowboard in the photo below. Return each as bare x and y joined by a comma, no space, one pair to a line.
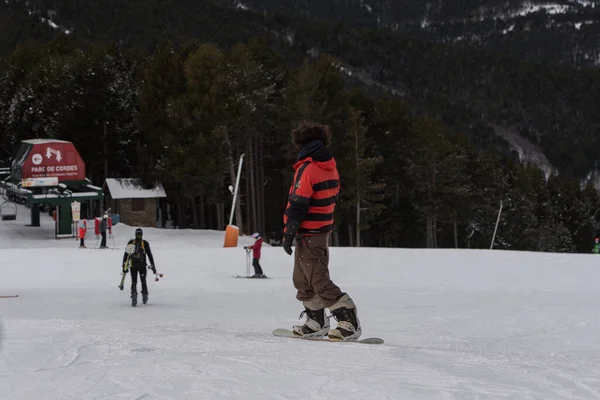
250,277
282,332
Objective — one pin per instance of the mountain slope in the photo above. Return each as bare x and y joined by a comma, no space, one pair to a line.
562,31
18,25
553,107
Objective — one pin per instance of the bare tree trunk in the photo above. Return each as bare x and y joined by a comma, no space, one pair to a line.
357,220
469,238
252,192
357,189
220,214
195,213
350,235
429,229
247,201
201,211
336,238
105,152
455,235
434,232
261,185
181,214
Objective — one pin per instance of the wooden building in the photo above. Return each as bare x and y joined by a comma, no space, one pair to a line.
137,206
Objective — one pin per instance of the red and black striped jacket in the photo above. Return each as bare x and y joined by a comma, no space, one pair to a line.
313,195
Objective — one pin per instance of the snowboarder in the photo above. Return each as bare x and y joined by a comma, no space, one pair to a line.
596,249
82,230
140,248
256,247
308,221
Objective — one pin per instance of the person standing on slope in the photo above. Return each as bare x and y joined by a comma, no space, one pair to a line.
82,225
308,220
103,228
140,248
256,247
596,249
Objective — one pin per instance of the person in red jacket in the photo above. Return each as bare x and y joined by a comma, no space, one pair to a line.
82,225
308,220
256,247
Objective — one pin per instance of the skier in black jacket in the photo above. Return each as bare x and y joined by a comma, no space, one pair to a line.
138,250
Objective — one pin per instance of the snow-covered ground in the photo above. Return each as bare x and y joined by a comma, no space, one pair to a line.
457,324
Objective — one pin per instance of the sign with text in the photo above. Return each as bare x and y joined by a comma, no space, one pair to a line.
54,159
76,210
39,182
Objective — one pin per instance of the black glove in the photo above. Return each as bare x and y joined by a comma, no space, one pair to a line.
153,268
288,237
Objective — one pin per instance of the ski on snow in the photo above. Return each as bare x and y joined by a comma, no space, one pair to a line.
250,277
281,332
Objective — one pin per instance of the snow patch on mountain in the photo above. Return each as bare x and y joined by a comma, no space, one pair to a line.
241,6
592,177
509,29
54,25
585,3
528,152
529,8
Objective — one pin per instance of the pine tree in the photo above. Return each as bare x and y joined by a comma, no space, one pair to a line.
437,168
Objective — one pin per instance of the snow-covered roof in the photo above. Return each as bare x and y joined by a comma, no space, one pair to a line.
44,141
131,188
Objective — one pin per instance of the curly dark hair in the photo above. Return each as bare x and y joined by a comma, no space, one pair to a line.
308,131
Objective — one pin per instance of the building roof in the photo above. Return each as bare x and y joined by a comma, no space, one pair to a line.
131,188
44,141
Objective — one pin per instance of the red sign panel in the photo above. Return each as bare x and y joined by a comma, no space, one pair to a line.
54,159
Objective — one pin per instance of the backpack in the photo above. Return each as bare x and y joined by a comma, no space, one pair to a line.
139,253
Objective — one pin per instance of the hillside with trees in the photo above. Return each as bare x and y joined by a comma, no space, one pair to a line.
179,96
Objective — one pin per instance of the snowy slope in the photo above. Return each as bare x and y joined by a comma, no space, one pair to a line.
457,324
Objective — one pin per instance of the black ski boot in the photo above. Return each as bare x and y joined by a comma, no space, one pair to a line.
133,299
346,314
316,325
348,327
144,298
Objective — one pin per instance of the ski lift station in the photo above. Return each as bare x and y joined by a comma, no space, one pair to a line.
46,172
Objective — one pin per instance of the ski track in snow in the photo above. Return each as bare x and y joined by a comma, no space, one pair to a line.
457,324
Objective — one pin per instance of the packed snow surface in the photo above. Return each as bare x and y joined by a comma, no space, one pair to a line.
460,324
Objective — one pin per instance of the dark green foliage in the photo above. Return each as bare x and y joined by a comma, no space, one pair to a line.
421,165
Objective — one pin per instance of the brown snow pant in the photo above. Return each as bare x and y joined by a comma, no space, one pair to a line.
311,273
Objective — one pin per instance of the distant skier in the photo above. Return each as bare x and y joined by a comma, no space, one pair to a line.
137,258
596,249
103,229
309,218
256,248
82,231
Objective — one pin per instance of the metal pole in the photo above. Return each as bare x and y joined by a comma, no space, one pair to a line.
496,228
237,184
